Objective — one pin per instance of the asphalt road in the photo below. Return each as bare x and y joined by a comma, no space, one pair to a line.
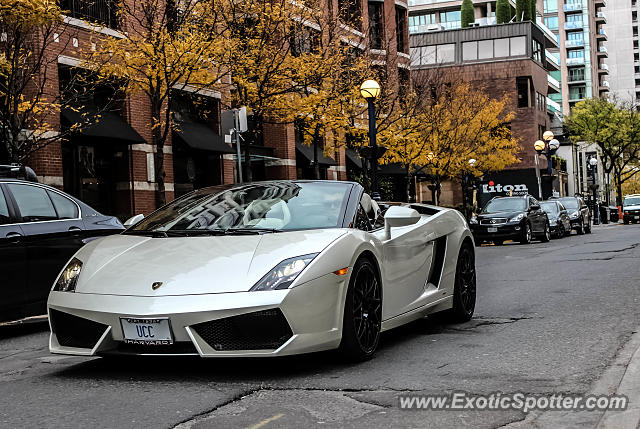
550,318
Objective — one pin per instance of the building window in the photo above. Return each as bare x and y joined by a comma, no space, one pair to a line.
576,53
524,91
635,31
577,92
99,11
485,49
376,24
518,46
541,102
635,44
634,16
537,50
450,20
576,74
550,6
349,11
636,57
575,17
637,82
446,53
576,37
420,23
551,22
401,29
501,48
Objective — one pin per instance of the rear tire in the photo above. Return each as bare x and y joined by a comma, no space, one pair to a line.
580,229
464,289
362,313
587,228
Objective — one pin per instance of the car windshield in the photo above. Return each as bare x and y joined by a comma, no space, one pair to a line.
270,206
504,205
570,203
549,207
634,201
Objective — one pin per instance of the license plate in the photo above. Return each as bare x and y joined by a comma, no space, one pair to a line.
146,331
491,229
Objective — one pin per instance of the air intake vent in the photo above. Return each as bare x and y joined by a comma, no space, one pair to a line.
74,331
262,330
437,262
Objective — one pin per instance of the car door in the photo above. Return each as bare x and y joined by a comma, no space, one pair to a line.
13,258
406,260
53,232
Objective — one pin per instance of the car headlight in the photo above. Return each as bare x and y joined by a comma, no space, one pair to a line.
69,277
284,273
517,218
574,215
473,220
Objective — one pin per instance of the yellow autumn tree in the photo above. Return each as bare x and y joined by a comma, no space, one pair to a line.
26,102
449,126
169,46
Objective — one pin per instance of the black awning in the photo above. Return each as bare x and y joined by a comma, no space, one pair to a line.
353,156
307,152
393,169
108,125
199,136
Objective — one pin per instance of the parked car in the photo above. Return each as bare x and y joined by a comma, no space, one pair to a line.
264,269
40,229
558,218
579,213
517,218
631,209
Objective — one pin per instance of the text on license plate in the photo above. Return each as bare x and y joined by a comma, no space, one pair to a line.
492,229
146,331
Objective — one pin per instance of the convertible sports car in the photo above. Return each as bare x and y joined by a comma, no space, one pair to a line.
264,269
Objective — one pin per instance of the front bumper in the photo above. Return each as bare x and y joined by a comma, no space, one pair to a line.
504,232
312,311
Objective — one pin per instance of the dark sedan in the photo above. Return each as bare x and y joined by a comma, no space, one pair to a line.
511,218
40,229
579,213
558,218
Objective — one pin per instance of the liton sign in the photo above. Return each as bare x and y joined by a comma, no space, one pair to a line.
492,187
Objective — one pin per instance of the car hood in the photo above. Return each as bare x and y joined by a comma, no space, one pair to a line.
129,264
507,215
634,207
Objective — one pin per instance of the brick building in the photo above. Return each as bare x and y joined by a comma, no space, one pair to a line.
110,165
507,59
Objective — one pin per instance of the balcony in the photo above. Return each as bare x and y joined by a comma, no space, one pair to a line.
553,63
603,69
573,44
601,34
551,37
572,7
101,12
575,62
554,85
601,18
604,86
600,3
573,25
553,106
603,52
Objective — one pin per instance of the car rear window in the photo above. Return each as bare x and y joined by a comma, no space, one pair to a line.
66,208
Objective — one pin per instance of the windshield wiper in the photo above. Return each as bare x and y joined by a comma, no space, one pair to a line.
154,234
194,232
250,231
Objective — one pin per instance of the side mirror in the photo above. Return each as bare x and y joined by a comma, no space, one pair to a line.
133,220
399,216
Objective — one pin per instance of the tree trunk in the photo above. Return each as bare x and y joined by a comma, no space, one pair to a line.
618,189
408,185
158,160
438,187
316,165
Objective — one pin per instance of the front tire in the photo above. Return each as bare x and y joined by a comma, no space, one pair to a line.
362,313
580,229
464,289
526,234
587,228
546,235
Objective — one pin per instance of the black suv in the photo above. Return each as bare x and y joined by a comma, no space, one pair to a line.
517,218
579,213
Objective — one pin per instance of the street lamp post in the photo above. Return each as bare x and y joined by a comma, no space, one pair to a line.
548,148
370,90
593,164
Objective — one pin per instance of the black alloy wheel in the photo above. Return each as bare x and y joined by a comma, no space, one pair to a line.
464,289
561,231
587,228
526,234
580,229
546,235
362,312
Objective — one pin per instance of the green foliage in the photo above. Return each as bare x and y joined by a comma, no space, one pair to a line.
503,11
533,9
523,10
467,13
